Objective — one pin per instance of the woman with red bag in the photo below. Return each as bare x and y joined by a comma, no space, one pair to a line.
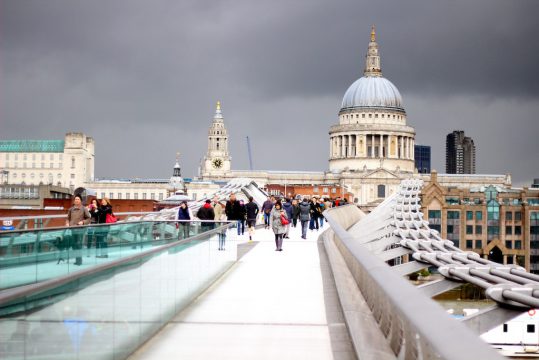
279,221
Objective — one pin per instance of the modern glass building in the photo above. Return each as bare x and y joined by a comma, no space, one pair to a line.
422,158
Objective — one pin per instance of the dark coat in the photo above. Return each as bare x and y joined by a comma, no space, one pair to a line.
252,210
295,211
233,210
102,213
288,208
267,206
183,214
206,213
304,211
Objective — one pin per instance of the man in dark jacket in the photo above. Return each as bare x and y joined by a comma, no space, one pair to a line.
266,209
252,213
234,211
304,216
287,206
206,213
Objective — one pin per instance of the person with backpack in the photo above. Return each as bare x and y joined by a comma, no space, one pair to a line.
304,216
252,212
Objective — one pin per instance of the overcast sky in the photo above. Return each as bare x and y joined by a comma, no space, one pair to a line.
142,77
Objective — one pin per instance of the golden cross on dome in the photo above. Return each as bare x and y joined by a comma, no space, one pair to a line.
373,34
218,105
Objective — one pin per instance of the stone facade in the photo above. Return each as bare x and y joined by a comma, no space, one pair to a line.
66,163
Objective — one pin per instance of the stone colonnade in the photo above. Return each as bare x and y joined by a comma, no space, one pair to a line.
371,146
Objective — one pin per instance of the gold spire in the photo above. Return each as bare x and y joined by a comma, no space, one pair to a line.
218,105
373,34
178,157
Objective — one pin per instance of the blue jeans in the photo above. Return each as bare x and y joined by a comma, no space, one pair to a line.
313,224
321,218
241,227
266,219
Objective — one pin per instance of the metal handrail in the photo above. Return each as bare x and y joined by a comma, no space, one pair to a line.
414,325
9,295
58,216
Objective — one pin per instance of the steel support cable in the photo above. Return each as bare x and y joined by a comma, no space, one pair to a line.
492,278
429,259
466,277
521,298
514,278
524,274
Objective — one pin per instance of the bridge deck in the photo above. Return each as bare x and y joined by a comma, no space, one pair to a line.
270,305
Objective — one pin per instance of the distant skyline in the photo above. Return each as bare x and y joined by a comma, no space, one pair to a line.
142,78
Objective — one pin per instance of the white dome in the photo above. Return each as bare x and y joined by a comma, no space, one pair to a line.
372,91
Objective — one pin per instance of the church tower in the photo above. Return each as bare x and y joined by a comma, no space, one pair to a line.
217,160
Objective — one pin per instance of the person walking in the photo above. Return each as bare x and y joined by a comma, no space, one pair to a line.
276,221
184,219
218,209
233,211
304,216
321,208
241,220
287,206
252,212
93,209
266,209
77,215
315,211
295,212
206,212
102,232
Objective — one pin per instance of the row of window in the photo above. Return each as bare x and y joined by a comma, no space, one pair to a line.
34,156
351,116
40,175
127,196
325,190
509,244
34,165
493,215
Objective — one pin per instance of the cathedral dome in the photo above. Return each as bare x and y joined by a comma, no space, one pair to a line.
372,91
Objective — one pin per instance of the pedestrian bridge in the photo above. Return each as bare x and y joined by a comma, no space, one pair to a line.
158,295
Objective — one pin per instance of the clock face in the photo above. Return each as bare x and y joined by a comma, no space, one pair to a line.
217,163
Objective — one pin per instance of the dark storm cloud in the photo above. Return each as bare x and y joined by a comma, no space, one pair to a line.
142,77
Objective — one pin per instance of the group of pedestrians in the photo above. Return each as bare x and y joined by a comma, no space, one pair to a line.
79,215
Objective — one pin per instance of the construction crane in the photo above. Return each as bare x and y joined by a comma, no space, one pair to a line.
249,152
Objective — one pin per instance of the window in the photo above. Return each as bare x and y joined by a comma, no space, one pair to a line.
518,244
453,214
381,191
518,216
469,244
152,196
102,195
119,195
143,196
333,190
530,328
509,230
478,229
72,162
325,190
160,196
370,116
450,229
136,196
508,244
127,196
363,116
111,195
72,176
315,189
508,216
478,244
469,229
469,215
518,230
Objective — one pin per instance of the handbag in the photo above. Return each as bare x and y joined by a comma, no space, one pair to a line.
111,219
284,220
